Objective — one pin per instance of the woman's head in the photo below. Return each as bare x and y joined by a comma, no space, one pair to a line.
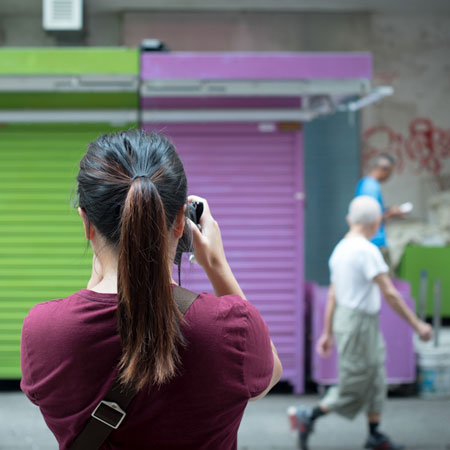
132,189
125,164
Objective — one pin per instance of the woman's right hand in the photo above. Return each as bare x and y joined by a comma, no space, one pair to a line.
210,254
208,246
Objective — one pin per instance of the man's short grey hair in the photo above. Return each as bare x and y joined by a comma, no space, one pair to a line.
383,160
364,210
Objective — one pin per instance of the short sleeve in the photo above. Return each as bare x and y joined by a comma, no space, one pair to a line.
330,266
258,358
373,263
370,187
26,383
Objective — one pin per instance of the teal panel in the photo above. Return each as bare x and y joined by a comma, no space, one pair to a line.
332,169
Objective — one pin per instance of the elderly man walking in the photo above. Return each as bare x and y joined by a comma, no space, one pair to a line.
358,273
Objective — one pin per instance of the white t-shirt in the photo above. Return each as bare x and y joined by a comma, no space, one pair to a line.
354,263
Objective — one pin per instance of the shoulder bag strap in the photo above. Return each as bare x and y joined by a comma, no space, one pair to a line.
183,298
110,412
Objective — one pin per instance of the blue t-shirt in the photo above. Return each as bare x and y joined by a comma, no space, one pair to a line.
371,187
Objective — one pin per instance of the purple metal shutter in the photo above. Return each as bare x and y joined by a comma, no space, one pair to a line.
250,179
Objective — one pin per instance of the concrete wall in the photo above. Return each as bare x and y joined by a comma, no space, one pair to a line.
252,31
411,52
26,31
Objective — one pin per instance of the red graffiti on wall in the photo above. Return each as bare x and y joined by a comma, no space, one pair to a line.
391,143
426,146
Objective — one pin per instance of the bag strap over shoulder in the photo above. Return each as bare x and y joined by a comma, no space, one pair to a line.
183,298
110,412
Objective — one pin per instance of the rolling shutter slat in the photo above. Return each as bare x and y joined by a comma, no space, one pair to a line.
249,181
42,249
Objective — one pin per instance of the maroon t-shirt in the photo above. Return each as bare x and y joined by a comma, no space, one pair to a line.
70,349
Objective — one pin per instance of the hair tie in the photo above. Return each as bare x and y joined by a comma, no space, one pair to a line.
140,175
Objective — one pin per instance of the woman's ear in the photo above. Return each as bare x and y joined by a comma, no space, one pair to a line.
89,230
180,221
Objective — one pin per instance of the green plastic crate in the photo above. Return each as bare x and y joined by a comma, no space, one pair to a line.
436,261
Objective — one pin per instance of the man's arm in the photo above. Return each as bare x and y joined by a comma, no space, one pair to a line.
325,343
329,311
372,189
397,303
392,212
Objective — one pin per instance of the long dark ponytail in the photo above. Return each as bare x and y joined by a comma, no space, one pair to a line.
132,185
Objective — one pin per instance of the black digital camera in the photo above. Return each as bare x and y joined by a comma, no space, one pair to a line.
194,211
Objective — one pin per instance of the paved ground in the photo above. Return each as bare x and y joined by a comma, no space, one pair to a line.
419,424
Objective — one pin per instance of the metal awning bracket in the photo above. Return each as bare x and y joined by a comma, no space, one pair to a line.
253,88
69,83
373,96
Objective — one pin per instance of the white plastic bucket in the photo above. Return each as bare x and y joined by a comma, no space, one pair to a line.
434,371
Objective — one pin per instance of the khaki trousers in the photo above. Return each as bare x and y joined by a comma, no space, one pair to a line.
361,352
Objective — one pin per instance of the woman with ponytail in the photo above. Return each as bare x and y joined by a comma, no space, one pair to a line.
192,374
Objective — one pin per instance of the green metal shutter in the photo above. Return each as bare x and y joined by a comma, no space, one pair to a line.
43,253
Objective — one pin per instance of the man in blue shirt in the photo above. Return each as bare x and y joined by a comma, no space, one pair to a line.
381,171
